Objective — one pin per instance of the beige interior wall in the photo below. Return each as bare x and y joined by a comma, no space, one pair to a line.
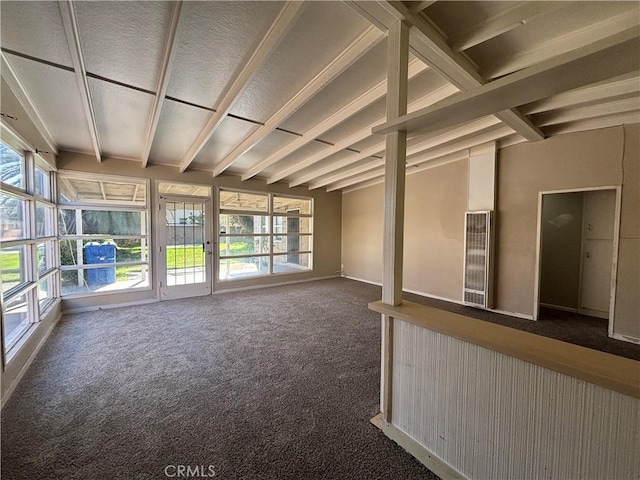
560,249
572,161
326,229
435,203
362,217
627,302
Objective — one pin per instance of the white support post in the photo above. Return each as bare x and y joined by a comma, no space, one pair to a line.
395,159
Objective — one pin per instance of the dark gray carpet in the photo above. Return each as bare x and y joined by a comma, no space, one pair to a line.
277,383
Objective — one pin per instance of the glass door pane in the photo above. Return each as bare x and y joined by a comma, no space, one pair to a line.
186,251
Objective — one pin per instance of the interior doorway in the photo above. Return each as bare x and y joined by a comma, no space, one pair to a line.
577,252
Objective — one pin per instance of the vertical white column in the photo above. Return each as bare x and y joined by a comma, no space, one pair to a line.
395,159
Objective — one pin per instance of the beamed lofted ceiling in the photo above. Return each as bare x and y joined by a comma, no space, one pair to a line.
290,91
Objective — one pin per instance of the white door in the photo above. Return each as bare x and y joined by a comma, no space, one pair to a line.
185,247
597,252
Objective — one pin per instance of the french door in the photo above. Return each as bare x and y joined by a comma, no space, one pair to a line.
185,247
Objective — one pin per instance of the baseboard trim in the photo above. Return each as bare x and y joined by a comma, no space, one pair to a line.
27,364
279,284
356,279
559,307
445,299
419,452
109,306
625,338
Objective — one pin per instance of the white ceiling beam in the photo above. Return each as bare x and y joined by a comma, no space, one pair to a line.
358,136
417,146
539,53
596,62
596,123
363,101
168,57
25,101
626,85
70,22
502,23
367,40
420,6
237,85
492,134
616,107
432,48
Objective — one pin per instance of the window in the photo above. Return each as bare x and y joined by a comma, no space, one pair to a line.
263,234
28,260
103,224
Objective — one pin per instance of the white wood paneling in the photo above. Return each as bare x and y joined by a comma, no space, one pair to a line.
489,415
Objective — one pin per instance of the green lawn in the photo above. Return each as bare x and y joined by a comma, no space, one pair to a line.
177,257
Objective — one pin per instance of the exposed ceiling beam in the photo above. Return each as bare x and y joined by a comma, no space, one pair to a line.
363,101
414,147
25,101
420,6
432,48
503,22
565,43
168,57
237,85
595,123
70,22
626,85
367,40
615,107
491,134
358,136
608,58
445,159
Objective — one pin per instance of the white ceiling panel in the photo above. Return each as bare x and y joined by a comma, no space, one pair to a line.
419,86
122,116
332,161
270,144
178,127
54,92
323,30
555,28
217,37
124,41
35,29
367,72
229,134
292,159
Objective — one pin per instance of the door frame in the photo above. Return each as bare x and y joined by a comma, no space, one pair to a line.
161,243
614,260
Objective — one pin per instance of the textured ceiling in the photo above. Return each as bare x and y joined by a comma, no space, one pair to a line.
290,91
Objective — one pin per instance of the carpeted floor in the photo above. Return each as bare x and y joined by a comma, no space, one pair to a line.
277,383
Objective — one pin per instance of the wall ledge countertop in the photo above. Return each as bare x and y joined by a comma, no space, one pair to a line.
604,369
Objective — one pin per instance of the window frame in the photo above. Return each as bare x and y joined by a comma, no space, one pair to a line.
115,206
272,235
29,285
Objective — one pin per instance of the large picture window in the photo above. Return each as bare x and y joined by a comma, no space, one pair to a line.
263,234
28,260
103,224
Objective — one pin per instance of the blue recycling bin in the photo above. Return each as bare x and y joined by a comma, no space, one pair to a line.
95,252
